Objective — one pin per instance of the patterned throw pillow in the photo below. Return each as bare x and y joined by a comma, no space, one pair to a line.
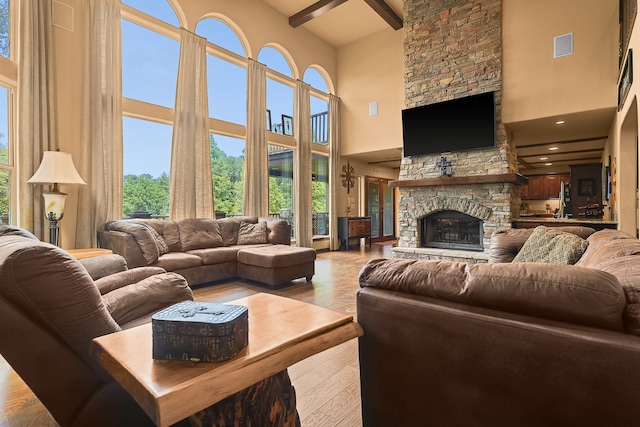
551,246
252,234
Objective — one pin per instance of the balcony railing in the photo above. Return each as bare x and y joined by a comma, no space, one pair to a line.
320,128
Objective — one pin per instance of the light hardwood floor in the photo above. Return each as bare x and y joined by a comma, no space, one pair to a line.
327,384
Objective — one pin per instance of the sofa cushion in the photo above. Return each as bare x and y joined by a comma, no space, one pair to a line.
167,229
216,255
276,256
252,234
627,270
551,246
178,260
608,246
199,233
557,292
229,228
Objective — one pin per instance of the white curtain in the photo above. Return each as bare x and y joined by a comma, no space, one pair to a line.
36,108
191,179
256,170
101,148
334,168
304,232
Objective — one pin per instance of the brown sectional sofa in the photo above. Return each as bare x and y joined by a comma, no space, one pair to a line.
526,344
207,250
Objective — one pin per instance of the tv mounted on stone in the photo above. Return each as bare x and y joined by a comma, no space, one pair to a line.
461,124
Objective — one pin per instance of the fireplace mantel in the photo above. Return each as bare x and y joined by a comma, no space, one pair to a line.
507,178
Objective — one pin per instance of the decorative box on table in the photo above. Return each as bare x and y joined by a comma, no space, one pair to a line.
200,332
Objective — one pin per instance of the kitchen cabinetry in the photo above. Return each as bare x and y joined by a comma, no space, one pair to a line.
542,187
352,228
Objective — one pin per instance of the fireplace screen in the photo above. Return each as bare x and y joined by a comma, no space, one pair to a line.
451,230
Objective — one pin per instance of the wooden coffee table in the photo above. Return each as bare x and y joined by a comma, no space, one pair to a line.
282,331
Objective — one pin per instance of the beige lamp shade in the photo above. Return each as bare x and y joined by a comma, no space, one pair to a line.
56,168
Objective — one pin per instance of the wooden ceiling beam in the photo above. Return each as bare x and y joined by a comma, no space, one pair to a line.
318,8
386,13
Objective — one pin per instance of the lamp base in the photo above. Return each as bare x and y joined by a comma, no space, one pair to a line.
54,232
54,211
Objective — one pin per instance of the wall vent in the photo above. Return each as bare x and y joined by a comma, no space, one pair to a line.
563,45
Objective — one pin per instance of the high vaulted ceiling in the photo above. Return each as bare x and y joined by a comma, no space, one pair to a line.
340,22
345,22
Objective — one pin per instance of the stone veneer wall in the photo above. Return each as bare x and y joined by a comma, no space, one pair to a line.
453,49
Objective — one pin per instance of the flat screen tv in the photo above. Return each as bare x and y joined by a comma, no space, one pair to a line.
460,124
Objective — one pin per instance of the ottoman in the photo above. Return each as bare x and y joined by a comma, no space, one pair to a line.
276,264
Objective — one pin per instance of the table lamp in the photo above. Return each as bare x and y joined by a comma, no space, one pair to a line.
56,168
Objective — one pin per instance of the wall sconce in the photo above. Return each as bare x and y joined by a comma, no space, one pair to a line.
56,168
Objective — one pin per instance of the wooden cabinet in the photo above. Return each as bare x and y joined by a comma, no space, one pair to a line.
352,228
542,187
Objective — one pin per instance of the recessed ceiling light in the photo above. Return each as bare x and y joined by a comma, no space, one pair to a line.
544,158
560,122
553,148
548,164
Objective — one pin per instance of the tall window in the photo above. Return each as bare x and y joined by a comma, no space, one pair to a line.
149,74
5,27
281,194
279,94
7,158
227,169
147,161
226,80
320,194
319,106
6,163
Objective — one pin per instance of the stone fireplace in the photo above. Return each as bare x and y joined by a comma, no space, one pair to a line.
453,49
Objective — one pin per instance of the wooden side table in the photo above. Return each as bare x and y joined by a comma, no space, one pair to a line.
89,252
282,331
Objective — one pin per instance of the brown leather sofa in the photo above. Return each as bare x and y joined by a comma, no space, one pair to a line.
51,308
207,250
503,344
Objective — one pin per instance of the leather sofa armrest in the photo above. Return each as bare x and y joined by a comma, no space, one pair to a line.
123,244
104,265
149,295
124,278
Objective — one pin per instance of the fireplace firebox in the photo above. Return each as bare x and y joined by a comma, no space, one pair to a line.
451,230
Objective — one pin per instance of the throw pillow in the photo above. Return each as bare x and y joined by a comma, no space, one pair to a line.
199,233
252,234
160,243
551,246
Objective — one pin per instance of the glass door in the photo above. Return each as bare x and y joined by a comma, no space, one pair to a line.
380,203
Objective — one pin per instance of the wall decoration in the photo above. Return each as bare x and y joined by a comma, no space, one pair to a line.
626,80
444,164
287,125
348,173
269,120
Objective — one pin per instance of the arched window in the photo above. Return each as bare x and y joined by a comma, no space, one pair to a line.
314,79
275,60
220,34
160,9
